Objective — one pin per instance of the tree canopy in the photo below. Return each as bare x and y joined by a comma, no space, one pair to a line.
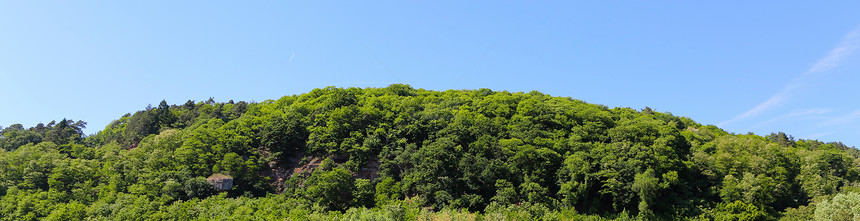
403,153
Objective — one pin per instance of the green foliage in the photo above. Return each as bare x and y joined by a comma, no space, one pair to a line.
844,206
62,133
739,211
363,194
648,186
284,134
505,193
800,213
331,189
69,211
15,136
400,153
387,191
198,188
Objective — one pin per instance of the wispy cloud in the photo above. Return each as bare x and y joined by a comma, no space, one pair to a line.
816,136
291,59
815,112
849,44
776,99
841,120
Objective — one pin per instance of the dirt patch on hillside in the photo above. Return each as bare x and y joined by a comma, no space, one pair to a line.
279,172
369,170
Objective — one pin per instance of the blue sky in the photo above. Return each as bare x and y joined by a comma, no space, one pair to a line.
744,66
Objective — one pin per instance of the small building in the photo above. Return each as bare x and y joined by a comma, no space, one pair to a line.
221,182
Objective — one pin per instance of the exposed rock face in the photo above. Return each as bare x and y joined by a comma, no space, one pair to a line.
221,182
370,170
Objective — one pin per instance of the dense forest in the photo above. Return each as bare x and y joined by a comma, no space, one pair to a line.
399,153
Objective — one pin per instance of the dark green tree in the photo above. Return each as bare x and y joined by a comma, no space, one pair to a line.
331,189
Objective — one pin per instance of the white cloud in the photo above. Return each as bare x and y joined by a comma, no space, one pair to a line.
773,101
812,111
817,136
841,120
291,59
849,44
796,114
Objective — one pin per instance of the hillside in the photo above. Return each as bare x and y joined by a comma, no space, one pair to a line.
401,153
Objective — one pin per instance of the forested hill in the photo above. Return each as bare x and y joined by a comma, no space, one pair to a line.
399,153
